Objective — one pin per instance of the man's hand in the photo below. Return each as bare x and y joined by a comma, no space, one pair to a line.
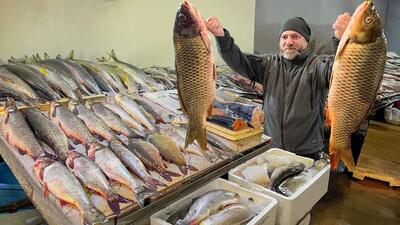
215,27
341,23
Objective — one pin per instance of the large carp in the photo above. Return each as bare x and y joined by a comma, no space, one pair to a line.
195,71
356,77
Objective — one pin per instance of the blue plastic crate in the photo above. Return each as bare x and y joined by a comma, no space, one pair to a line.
10,190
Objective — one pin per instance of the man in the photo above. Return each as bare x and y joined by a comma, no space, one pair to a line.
295,83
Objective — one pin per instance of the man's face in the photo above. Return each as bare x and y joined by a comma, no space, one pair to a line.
291,44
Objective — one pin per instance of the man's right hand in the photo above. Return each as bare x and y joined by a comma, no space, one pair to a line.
215,27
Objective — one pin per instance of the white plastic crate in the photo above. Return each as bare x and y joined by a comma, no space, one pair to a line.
290,209
264,207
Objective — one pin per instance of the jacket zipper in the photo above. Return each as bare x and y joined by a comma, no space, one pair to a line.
283,109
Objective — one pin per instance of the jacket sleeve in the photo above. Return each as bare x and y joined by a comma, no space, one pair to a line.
324,66
249,65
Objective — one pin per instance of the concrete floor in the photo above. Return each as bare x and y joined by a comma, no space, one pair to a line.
354,202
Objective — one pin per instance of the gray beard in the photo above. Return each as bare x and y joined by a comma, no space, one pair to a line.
290,56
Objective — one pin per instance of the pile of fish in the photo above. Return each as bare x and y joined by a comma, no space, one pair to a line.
97,144
214,207
282,173
36,80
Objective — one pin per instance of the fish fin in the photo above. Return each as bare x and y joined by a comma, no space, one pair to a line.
7,136
183,169
173,174
342,44
63,203
202,139
140,198
347,158
113,202
209,110
166,176
45,188
191,135
206,39
327,118
94,216
192,168
154,182
160,120
183,109
5,120
70,55
70,163
214,71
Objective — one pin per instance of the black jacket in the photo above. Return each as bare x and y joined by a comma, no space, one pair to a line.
295,92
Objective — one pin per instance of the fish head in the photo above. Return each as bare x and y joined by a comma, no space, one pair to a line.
40,164
365,25
188,21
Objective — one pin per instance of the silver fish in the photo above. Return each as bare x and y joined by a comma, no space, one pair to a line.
133,109
125,117
113,121
233,214
60,182
210,203
48,132
115,170
18,133
72,126
93,178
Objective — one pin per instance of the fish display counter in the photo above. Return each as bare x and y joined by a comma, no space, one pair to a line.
162,181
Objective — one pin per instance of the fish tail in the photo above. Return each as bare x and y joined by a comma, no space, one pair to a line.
154,182
160,120
166,176
140,198
196,134
327,118
344,153
173,174
347,158
113,202
183,169
93,216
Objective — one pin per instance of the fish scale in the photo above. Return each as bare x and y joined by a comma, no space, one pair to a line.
355,61
357,73
48,132
18,133
72,126
195,71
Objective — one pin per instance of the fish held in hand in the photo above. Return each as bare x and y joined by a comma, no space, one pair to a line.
195,78
356,76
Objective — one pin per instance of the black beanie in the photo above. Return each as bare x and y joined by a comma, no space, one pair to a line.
299,25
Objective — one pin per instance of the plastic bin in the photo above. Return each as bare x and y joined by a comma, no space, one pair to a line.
264,207
290,209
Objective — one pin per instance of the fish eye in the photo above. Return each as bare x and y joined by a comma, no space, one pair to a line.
368,20
182,17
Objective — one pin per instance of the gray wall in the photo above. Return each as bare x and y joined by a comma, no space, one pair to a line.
392,26
320,15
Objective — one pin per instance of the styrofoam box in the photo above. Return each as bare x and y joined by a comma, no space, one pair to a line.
290,209
263,207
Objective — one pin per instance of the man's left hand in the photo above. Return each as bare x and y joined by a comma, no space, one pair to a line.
341,23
